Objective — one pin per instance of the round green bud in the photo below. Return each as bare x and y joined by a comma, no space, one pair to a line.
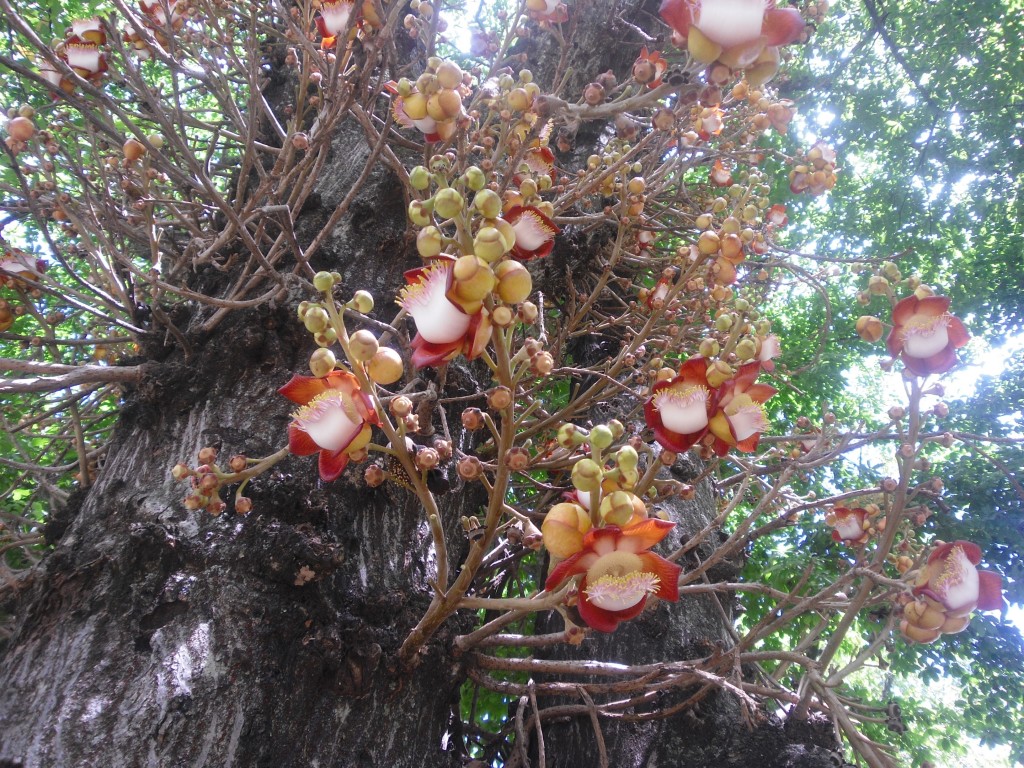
723,322
362,301
322,362
316,320
419,178
448,203
627,458
601,437
475,178
323,281
419,213
586,475
488,202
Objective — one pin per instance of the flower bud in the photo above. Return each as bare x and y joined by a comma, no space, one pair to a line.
448,203
427,458
563,529
502,317
322,362
528,312
543,363
443,448
570,436
718,373
475,178
419,213
323,281
627,458
180,471
419,178
362,302
316,319
363,345
601,437
488,203
237,463
133,149
473,419
374,475
499,398
586,475
869,328
429,242
469,468
489,244
401,406
207,455
517,459
514,281
385,367
617,507
243,505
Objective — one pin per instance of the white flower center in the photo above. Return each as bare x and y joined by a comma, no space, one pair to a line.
683,408
958,585
531,232
617,593
85,57
329,420
746,417
924,337
849,526
437,319
336,16
731,22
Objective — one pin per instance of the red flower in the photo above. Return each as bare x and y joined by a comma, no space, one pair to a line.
332,20
925,335
740,418
535,232
443,329
679,409
848,525
619,572
649,68
335,419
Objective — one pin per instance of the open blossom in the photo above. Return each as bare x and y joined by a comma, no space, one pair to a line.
769,348
443,330
619,572
335,419
16,264
740,418
332,20
948,589
535,232
925,335
679,409
649,68
849,525
737,31
551,11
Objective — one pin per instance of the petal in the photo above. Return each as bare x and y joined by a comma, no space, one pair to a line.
302,389
667,573
676,443
760,393
426,354
905,309
644,535
678,14
938,363
300,443
990,591
958,335
571,566
602,620
971,550
782,26
332,465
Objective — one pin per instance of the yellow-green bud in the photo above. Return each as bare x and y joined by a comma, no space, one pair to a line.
404,87
709,348
627,458
429,242
303,308
488,202
601,437
570,436
586,475
322,362
528,188
316,320
323,281
489,244
746,349
362,301
514,281
617,507
363,345
326,338
449,75
419,178
448,203
419,213
723,322
475,178
385,367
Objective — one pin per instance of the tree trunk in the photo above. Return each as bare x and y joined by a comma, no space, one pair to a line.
158,636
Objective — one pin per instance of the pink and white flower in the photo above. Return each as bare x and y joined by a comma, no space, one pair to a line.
535,232
680,408
332,20
619,572
335,419
740,418
924,335
443,329
742,28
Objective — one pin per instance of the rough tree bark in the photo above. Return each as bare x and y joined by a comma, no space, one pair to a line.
157,636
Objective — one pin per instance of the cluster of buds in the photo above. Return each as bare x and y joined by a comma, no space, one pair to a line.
855,526
80,50
542,362
817,174
207,479
433,103
419,21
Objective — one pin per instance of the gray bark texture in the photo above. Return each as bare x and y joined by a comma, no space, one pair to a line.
160,637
